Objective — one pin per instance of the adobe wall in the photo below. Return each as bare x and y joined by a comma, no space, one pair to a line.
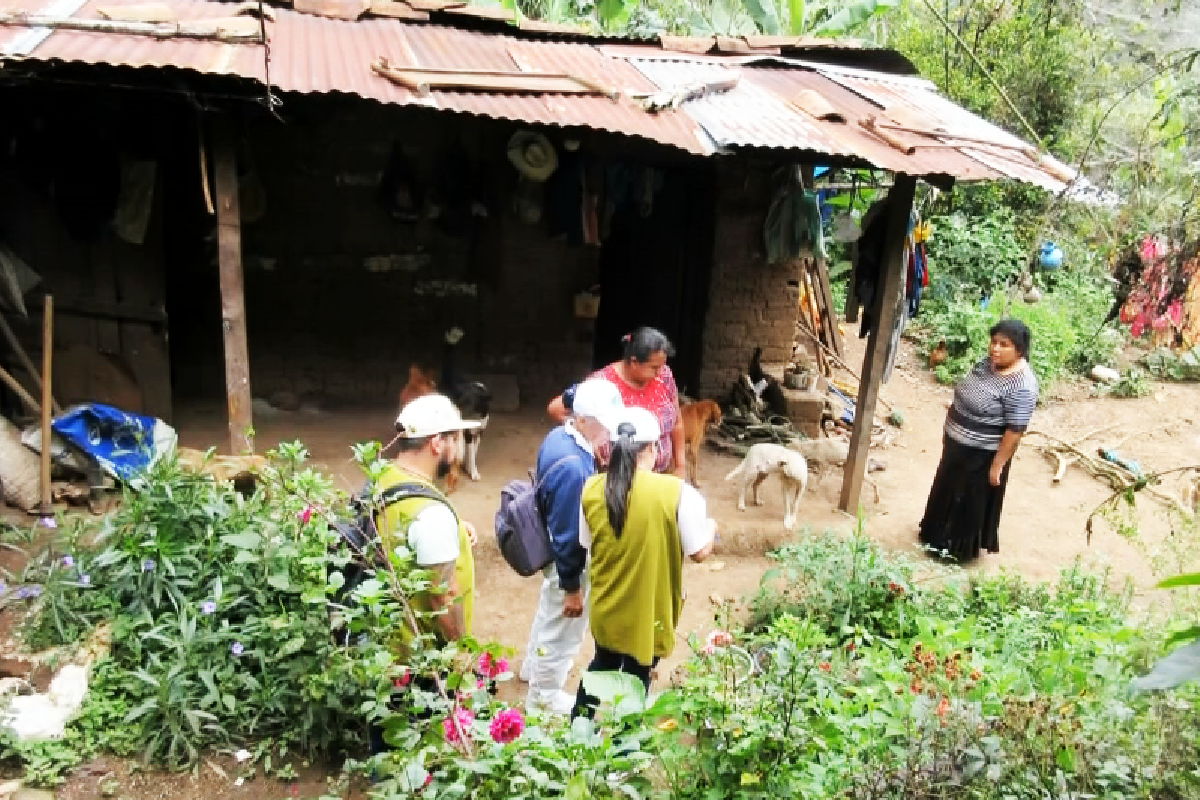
751,304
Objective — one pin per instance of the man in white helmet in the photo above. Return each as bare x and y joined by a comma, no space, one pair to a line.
565,460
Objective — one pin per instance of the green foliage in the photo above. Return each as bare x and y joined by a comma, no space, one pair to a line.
1167,365
99,727
220,628
973,257
974,263
1132,383
996,688
222,638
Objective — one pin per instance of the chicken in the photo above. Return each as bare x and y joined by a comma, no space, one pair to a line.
937,356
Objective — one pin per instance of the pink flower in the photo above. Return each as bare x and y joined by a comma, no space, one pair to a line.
708,650
464,717
718,639
403,679
490,666
506,726
305,515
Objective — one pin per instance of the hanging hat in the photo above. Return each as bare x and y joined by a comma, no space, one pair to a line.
533,155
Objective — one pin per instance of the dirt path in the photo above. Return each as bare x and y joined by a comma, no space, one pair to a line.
1042,528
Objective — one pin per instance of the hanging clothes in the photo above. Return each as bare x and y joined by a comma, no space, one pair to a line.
793,226
868,263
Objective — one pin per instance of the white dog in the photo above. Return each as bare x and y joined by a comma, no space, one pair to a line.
757,466
830,451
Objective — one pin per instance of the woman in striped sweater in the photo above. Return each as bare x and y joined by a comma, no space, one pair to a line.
991,410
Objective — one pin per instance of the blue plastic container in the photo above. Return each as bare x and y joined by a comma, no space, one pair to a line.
1050,256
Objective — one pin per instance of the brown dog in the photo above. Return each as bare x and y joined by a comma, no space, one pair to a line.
420,383
697,417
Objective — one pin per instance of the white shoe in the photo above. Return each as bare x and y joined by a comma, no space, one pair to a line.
559,702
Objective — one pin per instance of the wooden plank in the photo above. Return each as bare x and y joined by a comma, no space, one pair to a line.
825,298
101,258
47,413
141,283
900,201
120,312
233,300
24,358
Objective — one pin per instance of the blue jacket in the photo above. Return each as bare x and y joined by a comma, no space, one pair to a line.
558,495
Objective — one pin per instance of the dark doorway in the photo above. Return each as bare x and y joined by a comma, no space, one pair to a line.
655,268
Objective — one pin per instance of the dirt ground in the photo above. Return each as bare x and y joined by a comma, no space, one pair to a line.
1042,528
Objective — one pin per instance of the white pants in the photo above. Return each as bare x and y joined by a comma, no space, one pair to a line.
554,640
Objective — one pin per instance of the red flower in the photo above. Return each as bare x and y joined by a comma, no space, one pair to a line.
506,726
943,707
401,681
490,667
895,588
464,718
305,515
823,666
850,646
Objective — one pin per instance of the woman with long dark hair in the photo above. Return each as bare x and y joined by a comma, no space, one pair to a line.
992,406
638,525
644,379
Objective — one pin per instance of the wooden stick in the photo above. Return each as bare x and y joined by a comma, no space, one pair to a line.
26,361
47,376
220,30
895,141
20,392
834,358
1022,147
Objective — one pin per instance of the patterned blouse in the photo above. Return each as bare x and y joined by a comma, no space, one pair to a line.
987,404
660,397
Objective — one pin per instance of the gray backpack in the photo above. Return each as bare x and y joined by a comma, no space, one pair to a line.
521,526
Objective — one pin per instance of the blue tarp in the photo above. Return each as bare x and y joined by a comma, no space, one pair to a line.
123,444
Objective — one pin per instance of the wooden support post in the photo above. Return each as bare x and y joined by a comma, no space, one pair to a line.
47,509
233,300
900,200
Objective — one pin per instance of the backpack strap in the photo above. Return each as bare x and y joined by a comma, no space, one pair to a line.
403,491
537,485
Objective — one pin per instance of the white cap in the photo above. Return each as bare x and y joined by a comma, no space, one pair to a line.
645,425
430,415
598,399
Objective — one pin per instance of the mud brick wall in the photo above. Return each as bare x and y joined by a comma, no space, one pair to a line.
751,304
341,297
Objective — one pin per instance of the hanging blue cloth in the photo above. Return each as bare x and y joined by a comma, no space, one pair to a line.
123,444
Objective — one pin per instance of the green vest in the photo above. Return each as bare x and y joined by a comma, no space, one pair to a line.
393,530
636,592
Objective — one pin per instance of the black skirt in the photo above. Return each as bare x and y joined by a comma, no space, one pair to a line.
962,515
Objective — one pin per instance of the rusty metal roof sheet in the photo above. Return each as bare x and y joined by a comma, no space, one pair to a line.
765,110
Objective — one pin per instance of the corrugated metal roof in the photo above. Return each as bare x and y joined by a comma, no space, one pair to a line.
313,54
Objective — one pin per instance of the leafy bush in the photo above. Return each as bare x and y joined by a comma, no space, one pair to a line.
996,688
973,257
222,639
965,301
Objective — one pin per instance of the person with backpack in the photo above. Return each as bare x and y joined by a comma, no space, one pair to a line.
637,526
424,520
565,460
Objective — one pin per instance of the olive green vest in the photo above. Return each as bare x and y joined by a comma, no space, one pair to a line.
393,525
636,592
